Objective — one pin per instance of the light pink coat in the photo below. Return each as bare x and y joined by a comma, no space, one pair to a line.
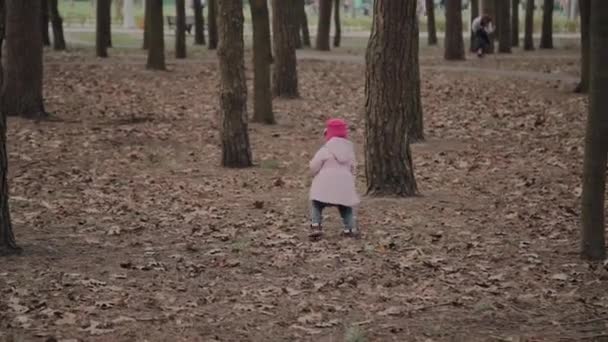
333,168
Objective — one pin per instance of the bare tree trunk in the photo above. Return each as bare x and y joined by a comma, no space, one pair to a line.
101,40
156,36
146,44
304,23
546,38
454,42
324,26
57,23
199,23
515,23
504,33
474,14
7,238
430,22
416,131
529,27
593,244
108,27
180,29
285,73
236,151
585,9
391,69
212,22
262,59
338,30
23,69
46,38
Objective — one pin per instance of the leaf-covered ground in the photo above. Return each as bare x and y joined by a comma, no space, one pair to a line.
132,232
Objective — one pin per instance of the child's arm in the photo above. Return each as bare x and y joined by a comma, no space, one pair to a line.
317,162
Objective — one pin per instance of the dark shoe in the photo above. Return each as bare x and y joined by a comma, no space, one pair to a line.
351,233
316,232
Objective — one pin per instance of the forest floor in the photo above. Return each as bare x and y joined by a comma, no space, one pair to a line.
132,232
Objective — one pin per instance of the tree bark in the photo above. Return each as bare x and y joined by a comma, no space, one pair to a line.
236,151
199,23
337,22
180,29
474,14
454,42
529,27
285,73
57,24
515,23
102,39
324,26
212,22
304,23
546,38
46,38
156,36
430,22
7,238
585,9
146,44
8,245
416,131
391,69
262,59
489,8
504,26
23,69
596,142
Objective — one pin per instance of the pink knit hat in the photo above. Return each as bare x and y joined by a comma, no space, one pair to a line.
336,128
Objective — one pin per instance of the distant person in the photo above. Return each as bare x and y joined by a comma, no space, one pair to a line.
333,168
481,28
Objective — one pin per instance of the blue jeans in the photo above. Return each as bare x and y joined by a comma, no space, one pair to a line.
347,214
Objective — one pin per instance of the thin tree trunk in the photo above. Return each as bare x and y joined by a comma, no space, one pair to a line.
593,244
236,151
529,27
108,27
2,35
180,29
212,22
585,9
391,69
262,59
285,73
338,29
324,26
304,23
156,49
199,23
515,23
146,44
23,69
454,42
7,238
57,23
504,27
128,17
546,38
101,40
474,14
46,38
430,22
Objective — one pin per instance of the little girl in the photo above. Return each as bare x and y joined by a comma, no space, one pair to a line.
333,168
